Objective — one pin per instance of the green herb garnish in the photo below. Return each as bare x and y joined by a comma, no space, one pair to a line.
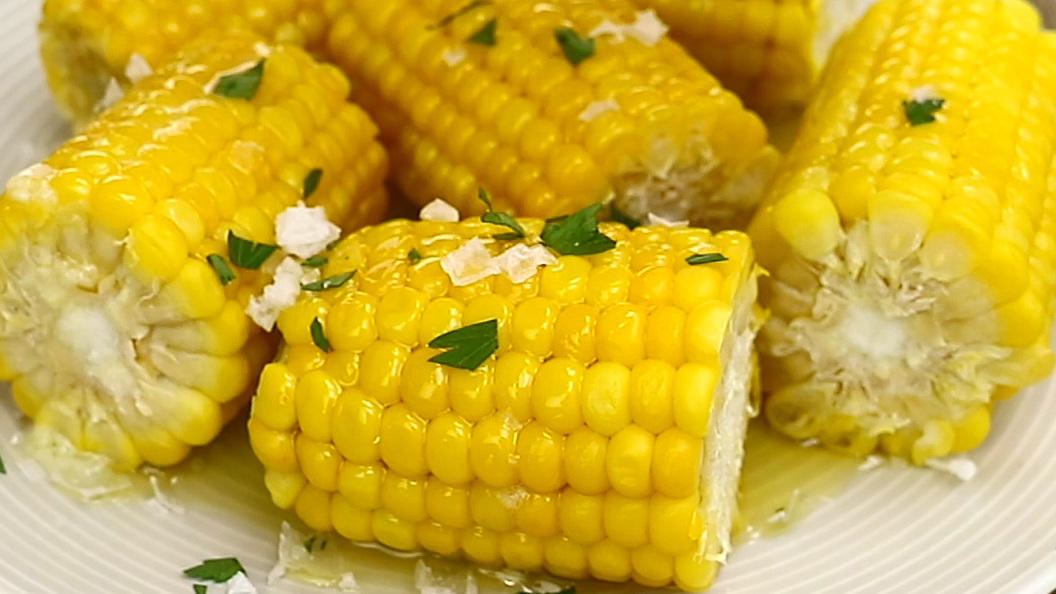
414,256
331,282
922,112
576,48
319,336
241,85
223,271
470,345
2,469
623,218
248,254
698,259
311,182
578,235
500,218
200,589
215,570
316,261
447,20
309,544
486,34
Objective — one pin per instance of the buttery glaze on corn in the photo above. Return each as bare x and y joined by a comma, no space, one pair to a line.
115,330
913,265
603,439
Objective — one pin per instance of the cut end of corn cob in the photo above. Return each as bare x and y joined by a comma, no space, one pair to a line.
768,52
913,251
118,330
638,120
600,437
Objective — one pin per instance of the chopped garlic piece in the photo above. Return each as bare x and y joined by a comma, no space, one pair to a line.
113,94
348,583
597,108
426,582
871,463
305,231
454,56
33,184
439,211
646,28
280,294
137,68
240,584
960,467
659,221
521,262
470,263
924,93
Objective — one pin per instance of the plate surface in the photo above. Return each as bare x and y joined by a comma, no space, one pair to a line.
890,530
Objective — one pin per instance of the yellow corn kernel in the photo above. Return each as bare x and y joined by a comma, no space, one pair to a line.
361,483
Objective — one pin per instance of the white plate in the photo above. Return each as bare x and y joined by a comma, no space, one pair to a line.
891,530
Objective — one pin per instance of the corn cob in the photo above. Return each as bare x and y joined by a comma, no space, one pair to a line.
769,52
482,95
117,331
911,232
602,435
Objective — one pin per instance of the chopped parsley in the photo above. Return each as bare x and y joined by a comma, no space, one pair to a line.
200,589
486,34
315,543
311,182
2,469
316,261
922,112
623,218
470,346
447,20
331,282
578,235
576,48
223,271
215,570
414,256
500,218
698,259
319,336
241,85
248,254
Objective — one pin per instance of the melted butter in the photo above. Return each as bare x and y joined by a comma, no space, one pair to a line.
783,482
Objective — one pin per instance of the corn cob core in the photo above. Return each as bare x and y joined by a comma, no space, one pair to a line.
602,439
913,264
116,331
768,52
639,121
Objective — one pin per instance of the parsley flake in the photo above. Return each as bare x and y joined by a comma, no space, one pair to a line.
414,256
215,570
623,218
576,48
486,34
698,259
447,20
316,261
241,85
500,218
200,589
2,469
922,112
470,346
484,197
578,235
319,336
311,182
223,271
248,254
331,282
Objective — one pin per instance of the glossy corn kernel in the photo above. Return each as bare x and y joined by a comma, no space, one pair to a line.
121,333
639,120
910,232
768,52
575,447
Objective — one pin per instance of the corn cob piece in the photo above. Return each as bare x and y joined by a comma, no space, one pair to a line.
911,233
117,329
600,436
483,95
769,52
